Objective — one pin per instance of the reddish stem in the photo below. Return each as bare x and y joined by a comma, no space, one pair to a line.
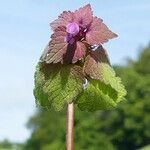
70,127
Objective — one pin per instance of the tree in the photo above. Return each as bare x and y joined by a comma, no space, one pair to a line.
5,144
124,128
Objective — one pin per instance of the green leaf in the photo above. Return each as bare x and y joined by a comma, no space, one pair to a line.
94,63
104,90
97,96
57,84
109,77
102,94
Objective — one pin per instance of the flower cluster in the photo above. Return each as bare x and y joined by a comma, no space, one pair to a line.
73,31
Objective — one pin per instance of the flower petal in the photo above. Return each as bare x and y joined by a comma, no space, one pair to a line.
98,32
63,20
84,15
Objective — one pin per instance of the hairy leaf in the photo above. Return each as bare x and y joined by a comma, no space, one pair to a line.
84,16
65,18
97,96
58,50
98,32
104,90
56,85
109,77
94,63
102,94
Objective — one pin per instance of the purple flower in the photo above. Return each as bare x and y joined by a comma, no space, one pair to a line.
71,31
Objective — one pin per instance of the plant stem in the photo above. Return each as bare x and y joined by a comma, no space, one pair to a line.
70,127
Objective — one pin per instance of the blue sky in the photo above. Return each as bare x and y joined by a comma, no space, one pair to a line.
24,32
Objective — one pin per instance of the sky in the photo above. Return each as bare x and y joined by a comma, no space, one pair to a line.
25,31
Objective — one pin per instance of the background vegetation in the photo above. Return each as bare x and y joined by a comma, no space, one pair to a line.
124,128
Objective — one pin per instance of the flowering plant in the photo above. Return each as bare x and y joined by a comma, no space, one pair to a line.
74,66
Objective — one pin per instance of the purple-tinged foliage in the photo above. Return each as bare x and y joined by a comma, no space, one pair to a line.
71,31
77,67
93,63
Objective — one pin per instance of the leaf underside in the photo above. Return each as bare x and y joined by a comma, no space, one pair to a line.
57,84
